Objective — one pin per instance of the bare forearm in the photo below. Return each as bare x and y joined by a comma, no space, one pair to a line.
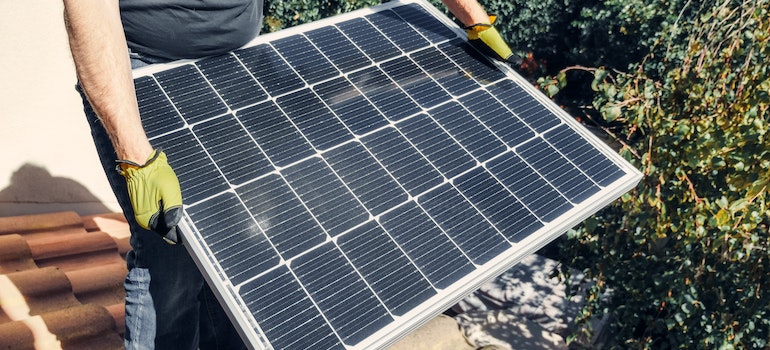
100,53
468,12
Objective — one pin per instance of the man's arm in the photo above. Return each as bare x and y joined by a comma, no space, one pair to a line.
99,50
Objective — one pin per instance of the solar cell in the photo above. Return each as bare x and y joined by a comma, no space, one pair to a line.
437,146
452,78
159,115
412,171
373,43
350,106
230,79
304,58
275,133
346,180
191,94
415,82
325,195
386,96
464,225
341,51
316,121
265,64
230,146
386,268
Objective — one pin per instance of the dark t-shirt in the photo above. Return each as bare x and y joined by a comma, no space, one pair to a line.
177,29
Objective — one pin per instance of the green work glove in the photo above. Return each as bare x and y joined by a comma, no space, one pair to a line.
485,37
153,189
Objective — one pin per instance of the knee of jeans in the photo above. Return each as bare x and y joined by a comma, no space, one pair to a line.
137,279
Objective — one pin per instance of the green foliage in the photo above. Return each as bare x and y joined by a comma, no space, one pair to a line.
686,253
562,37
284,14
560,33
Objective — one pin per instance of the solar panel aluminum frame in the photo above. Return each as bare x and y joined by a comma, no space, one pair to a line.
249,328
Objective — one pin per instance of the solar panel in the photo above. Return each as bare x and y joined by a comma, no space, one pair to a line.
346,180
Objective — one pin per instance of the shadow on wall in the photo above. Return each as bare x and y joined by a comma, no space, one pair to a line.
33,190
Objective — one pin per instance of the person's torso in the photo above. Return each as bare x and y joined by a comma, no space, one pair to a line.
176,29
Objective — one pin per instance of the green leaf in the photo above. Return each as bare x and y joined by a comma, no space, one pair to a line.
562,79
722,217
738,205
686,308
670,324
611,113
757,187
591,223
552,90
599,76
722,202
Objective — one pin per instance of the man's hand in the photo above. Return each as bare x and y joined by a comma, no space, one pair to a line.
485,37
155,194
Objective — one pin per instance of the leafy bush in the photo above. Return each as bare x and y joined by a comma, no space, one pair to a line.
685,254
612,33
284,14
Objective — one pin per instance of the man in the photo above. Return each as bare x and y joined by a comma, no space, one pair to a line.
168,304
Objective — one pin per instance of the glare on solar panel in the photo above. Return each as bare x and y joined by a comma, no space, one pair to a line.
347,180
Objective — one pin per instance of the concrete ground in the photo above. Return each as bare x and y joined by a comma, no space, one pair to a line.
517,333
440,333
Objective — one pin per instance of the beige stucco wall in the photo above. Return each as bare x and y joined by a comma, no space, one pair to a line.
47,159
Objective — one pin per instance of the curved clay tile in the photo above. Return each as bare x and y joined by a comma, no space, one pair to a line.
75,251
16,335
83,326
113,224
41,291
118,312
42,224
101,285
79,327
14,254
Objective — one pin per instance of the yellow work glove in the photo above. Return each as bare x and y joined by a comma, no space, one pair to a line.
485,37
153,189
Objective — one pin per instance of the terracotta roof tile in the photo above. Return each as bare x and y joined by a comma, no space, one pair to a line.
61,281
42,224
113,224
74,251
14,254
79,327
100,285
37,292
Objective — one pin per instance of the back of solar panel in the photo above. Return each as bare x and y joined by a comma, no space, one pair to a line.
349,179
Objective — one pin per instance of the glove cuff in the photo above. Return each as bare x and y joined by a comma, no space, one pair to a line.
473,30
123,164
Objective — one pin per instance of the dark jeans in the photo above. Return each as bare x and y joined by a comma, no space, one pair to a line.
168,303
